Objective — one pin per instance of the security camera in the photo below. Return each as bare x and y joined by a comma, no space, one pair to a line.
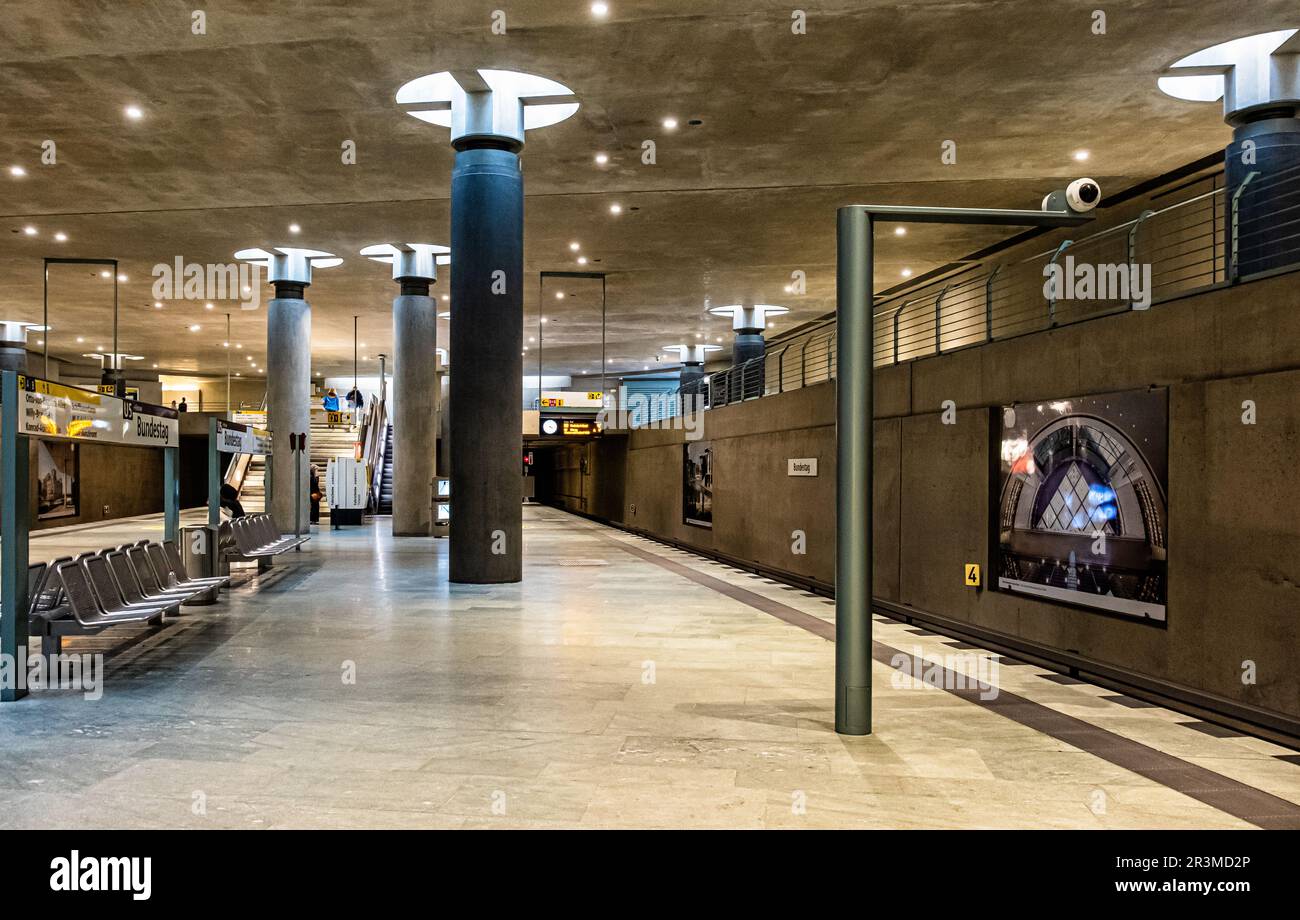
1080,196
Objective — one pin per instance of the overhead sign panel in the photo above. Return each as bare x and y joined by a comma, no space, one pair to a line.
55,410
560,399
233,438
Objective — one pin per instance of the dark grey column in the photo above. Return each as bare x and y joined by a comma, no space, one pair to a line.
486,399
1268,203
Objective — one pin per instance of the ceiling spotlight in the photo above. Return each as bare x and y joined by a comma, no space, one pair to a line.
80,339
1081,155
29,230
907,273
670,124
195,328
532,338
543,319
788,288
616,209
237,374
294,228
121,278
900,231
207,306
582,260
60,237
559,295
362,344
155,365
134,112
157,304
600,9
446,297
575,246
17,172
602,159
106,274
239,345
225,344
40,341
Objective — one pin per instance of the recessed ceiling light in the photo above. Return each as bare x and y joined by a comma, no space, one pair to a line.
157,304
40,341
600,9
559,295
195,328
907,273
699,335
616,209
237,374
134,112
225,344
80,339
1081,155
582,260
17,172
239,345
106,274
100,348
446,297
575,246
207,306
155,365
294,228
29,230
60,237
122,278
602,159
532,338
543,319
788,289
362,344
670,124
900,231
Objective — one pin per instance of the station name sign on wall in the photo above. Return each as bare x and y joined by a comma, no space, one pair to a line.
55,410
233,438
806,466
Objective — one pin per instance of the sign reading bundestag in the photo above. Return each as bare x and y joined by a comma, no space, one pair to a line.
55,410
233,438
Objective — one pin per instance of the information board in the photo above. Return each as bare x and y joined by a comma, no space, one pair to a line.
55,410
233,438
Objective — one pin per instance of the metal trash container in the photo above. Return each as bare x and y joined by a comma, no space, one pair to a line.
199,554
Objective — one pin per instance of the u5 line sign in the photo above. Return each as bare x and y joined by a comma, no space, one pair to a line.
55,410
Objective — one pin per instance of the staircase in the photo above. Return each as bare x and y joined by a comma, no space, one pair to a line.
326,444
386,483
252,494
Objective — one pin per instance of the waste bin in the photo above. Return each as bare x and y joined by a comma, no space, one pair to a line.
199,552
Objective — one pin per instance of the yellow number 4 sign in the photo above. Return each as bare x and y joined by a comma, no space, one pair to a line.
972,575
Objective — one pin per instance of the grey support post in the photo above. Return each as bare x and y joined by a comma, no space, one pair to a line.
415,381
14,465
288,370
855,426
171,493
854,419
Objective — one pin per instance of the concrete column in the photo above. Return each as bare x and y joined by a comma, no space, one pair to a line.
749,321
415,384
288,377
288,403
692,358
486,400
13,347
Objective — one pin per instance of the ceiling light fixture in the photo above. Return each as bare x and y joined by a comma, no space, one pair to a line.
900,231
195,328
575,246
670,124
907,273
600,9
294,228
616,209
17,172
134,112
602,159
60,237
582,260
1081,155
122,278
29,230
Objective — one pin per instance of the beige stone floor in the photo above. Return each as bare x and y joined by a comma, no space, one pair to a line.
603,691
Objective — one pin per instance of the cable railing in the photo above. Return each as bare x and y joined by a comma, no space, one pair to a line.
1211,239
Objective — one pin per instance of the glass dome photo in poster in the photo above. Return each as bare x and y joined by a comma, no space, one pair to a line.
1082,513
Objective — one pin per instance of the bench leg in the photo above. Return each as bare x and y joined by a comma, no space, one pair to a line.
51,645
263,563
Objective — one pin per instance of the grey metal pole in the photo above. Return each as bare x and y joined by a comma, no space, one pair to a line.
228,409
214,476
45,320
297,493
119,381
14,523
171,493
853,484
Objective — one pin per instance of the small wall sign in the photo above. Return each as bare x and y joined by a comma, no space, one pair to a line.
806,466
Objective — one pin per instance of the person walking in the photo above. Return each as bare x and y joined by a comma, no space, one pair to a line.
183,407
331,405
314,493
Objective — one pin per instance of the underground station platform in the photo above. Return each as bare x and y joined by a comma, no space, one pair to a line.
866,417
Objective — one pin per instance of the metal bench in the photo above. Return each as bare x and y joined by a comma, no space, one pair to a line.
78,611
254,538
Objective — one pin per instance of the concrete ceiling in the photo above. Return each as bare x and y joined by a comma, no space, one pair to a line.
242,132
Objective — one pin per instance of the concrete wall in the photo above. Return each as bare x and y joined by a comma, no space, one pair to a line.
1234,491
128,480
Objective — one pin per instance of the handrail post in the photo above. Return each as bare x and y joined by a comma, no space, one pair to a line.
1131,249
1051,301
938,315
988,304
780,370
895,322
1234,271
